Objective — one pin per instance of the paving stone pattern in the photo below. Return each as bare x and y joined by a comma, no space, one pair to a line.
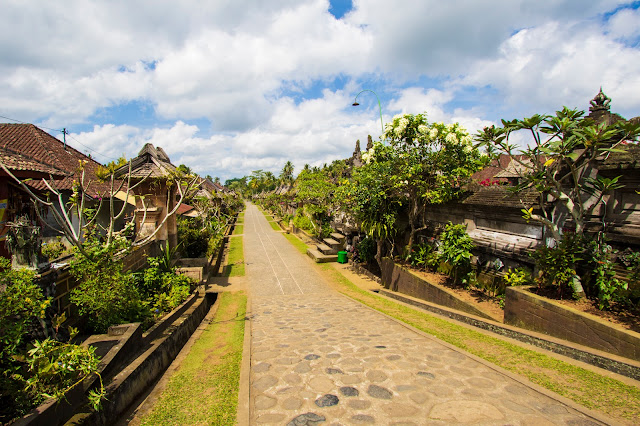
320,358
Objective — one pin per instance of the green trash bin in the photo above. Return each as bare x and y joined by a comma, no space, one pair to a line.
342,257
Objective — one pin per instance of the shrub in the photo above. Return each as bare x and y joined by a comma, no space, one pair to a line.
47,370
162,288
516,277
419,255
366,250
454,251
106,294
192,238
558,265
54,249
602,283
303,222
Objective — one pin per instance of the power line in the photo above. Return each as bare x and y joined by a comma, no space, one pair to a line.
61,131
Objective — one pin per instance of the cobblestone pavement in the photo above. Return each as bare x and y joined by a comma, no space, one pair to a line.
320,358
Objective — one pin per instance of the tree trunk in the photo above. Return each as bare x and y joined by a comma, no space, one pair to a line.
379,247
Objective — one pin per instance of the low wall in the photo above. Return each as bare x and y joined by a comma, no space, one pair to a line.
527,310
131,382
121,342
601,359
397,278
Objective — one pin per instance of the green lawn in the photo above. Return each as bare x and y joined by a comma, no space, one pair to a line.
238,229
587,388
235,258
297,243
275,226
204,389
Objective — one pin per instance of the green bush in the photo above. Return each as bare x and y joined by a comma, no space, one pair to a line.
48,369
558,265
301,221
192,238
420,255
516,277
454,251
366,250
106,294
54,249
600,280
162,288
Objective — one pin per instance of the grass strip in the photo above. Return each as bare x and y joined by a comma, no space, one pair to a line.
297,243
585,387
275,225
235,258
238,229
204,389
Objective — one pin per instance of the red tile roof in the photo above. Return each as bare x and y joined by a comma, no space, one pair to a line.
17,163
38,145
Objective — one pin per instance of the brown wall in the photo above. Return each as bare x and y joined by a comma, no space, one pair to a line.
527,310
398,279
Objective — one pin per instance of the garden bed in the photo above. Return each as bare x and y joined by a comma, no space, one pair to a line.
617,314
432,288
525,309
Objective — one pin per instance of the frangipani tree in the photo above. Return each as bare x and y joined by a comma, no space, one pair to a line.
560,162
423,163
430,163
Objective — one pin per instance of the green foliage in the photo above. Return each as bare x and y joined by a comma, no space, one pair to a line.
161,287
48,369
631,261
420,255
192,238
366,250
517,277
602,282
54,249
558,265
179,291
301,221
454,251
106,294
56,367
560,161
22,307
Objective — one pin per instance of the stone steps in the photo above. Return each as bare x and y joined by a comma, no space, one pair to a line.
321,257
338,237
325,249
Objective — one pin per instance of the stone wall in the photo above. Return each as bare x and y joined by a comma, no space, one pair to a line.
397,278
530,311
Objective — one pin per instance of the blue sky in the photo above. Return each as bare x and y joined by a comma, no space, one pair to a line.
228,87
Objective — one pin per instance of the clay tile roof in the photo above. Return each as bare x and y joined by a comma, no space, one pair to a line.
501,196
16,162
38,145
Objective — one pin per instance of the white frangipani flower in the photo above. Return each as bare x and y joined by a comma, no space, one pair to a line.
451,138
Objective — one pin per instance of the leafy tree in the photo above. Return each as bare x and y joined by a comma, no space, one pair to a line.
560,162
369,197
430,162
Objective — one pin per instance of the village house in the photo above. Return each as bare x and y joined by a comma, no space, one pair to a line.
32,154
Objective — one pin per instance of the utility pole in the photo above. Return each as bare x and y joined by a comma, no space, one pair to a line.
64,137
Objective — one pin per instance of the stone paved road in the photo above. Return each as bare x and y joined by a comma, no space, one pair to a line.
320,358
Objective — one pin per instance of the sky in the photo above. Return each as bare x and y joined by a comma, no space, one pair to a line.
231,86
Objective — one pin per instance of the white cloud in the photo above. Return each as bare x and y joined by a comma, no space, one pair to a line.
250,73
557,64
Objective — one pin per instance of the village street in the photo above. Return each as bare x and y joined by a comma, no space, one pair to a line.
317,357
